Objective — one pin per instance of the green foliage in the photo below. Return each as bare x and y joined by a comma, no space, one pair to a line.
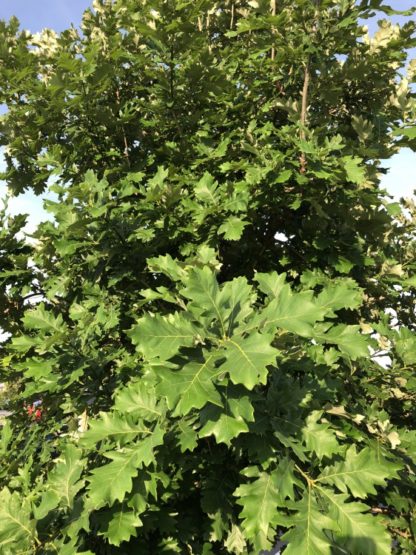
204,316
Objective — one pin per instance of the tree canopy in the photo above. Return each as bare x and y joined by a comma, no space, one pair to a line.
204,318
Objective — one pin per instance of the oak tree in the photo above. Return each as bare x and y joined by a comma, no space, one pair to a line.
204,318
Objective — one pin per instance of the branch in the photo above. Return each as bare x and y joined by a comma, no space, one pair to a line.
303,115
26,297
273,5
208,22
305,91
171,73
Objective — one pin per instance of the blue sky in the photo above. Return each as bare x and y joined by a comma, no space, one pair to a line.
59,14
38,14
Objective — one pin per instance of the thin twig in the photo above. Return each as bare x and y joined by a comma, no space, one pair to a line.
126,145
380,510
405,535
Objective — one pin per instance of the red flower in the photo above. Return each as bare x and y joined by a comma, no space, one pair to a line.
38,414
30,410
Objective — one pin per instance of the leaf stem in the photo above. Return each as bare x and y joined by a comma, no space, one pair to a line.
310,482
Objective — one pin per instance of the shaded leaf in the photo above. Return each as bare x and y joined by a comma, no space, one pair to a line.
359,531
192,386
162,336
138,398
228,423
63,482
247,359
17,529
348,339
359,472
232,228
113,426
319,437
122,527
309,528
111,482
294,312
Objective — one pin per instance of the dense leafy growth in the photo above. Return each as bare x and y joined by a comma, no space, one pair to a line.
203,318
